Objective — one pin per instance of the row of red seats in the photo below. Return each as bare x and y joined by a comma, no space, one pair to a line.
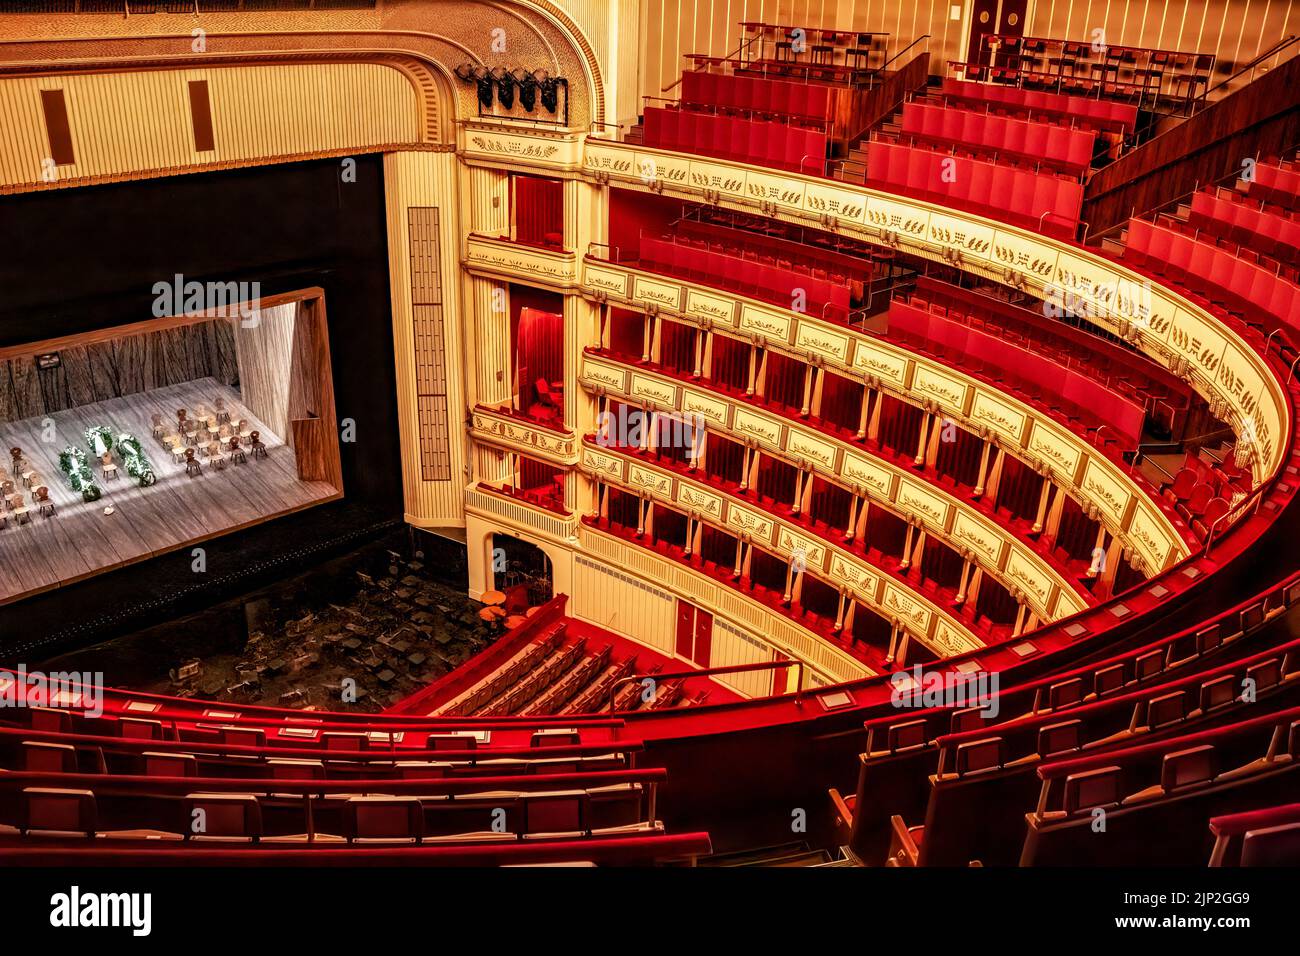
1123,371
970,345
1218,274
1226,213
1053,143
1027,199
1097,113
839,266
1278,183
768,282
1167,786
728,91
1269,837
763,143
992,768
906,747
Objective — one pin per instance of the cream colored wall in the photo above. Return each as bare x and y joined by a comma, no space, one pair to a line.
140,122
427,179
1234,29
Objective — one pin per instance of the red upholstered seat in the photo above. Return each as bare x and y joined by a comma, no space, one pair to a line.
387,819
1184,483
50,810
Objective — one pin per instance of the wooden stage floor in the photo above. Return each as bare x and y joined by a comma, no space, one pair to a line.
80,540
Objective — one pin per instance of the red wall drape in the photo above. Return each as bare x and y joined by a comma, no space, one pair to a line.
841,401
730,365
539,210
539,358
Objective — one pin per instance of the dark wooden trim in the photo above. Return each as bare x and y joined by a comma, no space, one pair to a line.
201,116
55,108
1260,119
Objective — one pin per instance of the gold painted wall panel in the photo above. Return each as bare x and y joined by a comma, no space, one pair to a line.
426,179
135,122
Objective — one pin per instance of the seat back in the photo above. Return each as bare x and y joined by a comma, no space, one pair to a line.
1091,788
555,738
1186,768
49,758
1272,846
222,816
383,818
59,811
170,765
561,811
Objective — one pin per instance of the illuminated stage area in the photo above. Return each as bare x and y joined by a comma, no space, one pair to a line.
167,456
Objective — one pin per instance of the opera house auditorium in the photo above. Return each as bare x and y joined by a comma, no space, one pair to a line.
648,433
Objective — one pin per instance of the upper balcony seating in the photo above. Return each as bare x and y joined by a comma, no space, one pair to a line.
57,806
759,95
1269,837
792,146
1203,492
1229,279
1166,398
843,55
1074,395
1035,201
1028,141
867,270
766,280
1158,77
1278,182
1272,231
1170,786
1083,112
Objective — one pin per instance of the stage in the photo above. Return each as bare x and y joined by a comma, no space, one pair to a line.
81,539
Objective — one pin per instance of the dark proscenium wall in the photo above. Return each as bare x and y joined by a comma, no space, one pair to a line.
76,260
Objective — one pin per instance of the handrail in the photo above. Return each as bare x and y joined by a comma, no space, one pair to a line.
1253,64
1133,214
735,52
1235,513
705,672
924,36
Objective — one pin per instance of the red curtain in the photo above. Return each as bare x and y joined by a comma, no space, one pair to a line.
1019,489
841,401
537,480
830,505
785,378
959,458
677,347
626,333
775,480
995,603
1077,533
723,458
900,425
539,364
539,210
730,365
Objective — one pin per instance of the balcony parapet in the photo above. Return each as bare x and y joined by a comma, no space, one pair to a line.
1127,512
498,258
1212,355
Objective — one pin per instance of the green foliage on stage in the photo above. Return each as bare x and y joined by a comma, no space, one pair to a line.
136,461
72,462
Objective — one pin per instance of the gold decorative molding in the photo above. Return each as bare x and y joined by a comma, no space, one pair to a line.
1220,365
912,378
875,589
514,261
513,434
828,664
506,144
